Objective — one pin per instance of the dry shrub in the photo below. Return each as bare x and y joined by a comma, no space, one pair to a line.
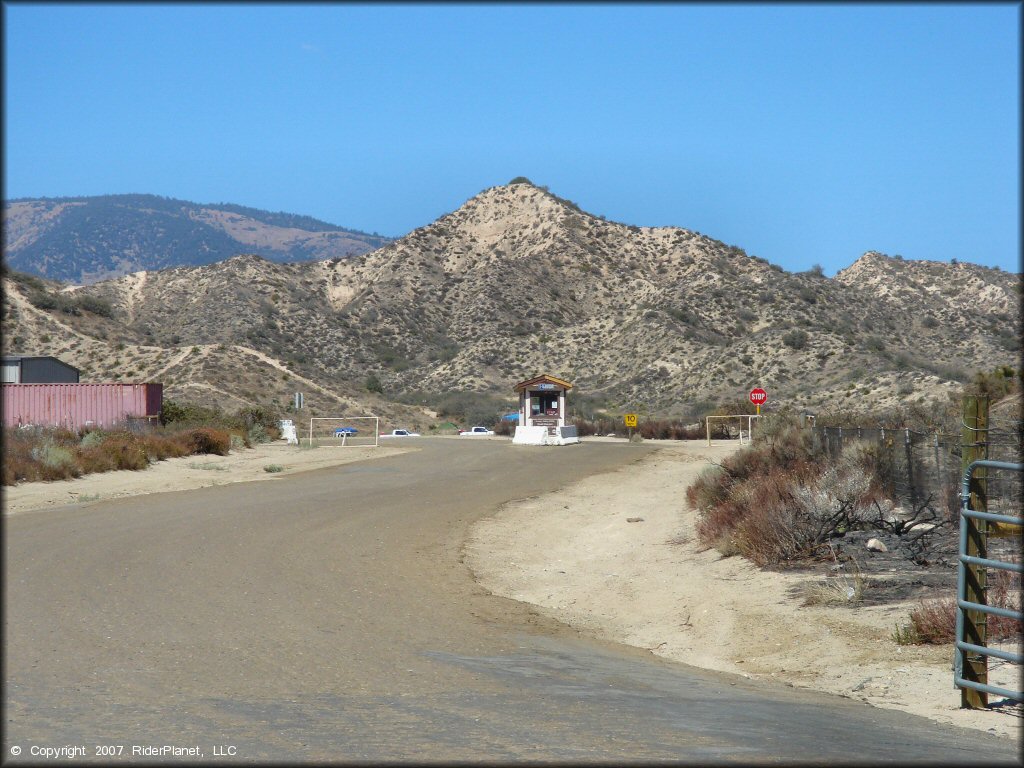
770,535
1004,592
57,454
95,459
125,450
710,489
934,621
781,499
209,440
666,429
39,454
650,429
58,461
17,466
160,447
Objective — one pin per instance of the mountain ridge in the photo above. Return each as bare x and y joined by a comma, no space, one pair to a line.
517,281
92,238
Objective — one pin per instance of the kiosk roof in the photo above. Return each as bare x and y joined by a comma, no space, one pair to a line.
542,379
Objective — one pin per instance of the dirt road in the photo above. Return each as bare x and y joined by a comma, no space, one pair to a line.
327,616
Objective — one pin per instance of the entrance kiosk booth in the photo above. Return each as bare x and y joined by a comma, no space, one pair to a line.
542,412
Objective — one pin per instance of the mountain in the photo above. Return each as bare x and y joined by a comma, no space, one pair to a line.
87,239
517,282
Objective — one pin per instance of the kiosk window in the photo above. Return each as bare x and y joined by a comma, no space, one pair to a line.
544,404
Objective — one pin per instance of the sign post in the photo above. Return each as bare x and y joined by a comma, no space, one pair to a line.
630,421
758,397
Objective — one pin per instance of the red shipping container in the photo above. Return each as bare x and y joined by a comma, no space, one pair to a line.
78,405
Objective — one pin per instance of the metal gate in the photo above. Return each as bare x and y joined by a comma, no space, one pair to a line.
963,604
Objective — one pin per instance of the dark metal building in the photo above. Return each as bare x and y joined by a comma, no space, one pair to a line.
19,369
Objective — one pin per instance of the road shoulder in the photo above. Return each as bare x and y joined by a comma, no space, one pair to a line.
616,555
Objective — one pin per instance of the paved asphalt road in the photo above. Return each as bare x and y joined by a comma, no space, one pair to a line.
328,617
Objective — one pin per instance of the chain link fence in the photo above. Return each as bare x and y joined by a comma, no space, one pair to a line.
920,468
922,473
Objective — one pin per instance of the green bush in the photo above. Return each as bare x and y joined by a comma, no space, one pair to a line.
55,457
54,301
188,413
92,438
258,415
796,339
257,434
875,344
96,306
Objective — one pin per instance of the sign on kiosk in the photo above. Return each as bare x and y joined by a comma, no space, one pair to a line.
758,397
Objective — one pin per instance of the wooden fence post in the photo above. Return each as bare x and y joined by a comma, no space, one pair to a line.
974,443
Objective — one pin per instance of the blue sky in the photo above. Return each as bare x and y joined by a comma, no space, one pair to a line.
804,134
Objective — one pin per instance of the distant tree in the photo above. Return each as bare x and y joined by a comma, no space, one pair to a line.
373,384
521,180
817,271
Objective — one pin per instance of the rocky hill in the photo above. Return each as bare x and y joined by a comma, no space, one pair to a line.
87,239
519,281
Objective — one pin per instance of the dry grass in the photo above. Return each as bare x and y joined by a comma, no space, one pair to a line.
841,589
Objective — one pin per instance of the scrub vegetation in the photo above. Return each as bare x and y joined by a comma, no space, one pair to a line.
48,453
787,502
933,622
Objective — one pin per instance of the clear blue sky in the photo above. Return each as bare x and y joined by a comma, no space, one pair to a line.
803,134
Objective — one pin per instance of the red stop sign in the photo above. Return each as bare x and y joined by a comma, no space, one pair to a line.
758,396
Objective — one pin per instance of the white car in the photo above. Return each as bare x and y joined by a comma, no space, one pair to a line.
475,431
400,433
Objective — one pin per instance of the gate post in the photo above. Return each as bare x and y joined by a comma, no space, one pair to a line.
974,442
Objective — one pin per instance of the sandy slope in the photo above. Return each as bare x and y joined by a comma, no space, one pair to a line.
647,583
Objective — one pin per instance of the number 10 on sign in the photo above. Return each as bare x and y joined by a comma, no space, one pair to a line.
758,397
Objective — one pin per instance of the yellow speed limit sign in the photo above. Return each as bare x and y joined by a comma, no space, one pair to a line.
630,419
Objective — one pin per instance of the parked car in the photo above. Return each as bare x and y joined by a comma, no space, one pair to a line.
340,431
475,431
400,433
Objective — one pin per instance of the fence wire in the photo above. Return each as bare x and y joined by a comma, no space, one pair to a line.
919,468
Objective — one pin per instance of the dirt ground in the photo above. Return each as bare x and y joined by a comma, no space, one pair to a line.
616,555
